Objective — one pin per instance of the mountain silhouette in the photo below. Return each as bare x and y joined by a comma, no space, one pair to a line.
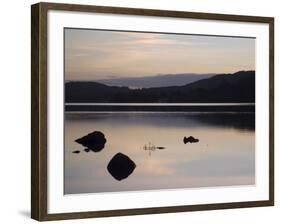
162,80
223,88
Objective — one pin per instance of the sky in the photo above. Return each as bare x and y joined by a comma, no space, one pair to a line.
102,54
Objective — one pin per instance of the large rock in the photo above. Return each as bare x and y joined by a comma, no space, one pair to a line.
190,139
94,141
120,166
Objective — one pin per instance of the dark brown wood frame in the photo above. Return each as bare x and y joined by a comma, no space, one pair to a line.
39,110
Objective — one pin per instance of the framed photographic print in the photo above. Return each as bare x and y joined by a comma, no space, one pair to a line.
139,111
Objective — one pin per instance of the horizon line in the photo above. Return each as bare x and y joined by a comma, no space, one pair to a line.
156,75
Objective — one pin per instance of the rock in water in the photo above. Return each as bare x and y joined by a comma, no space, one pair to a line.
160,147
76,151
94,141
190,139
120,166
87,150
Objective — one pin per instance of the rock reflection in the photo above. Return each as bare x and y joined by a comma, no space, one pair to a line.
94,141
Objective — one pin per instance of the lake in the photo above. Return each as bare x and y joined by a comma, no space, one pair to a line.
224,155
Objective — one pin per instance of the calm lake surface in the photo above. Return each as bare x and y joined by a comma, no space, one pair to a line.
224,155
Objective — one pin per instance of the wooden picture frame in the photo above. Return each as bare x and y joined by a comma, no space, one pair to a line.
39,108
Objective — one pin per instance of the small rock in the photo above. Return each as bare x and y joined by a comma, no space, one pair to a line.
76,151
87,150
190,139
160,147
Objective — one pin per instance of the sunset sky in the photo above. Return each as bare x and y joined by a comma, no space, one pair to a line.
95,54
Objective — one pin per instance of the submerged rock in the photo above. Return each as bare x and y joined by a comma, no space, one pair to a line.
120,166
94,141
76,151
160,147
190,139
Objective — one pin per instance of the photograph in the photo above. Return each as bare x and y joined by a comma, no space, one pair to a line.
146,111
138,111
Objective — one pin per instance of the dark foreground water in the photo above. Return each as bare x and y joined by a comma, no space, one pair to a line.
224,155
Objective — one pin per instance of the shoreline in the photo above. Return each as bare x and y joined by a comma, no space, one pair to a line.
157,108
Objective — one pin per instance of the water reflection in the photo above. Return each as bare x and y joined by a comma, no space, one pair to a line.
235,120
229,161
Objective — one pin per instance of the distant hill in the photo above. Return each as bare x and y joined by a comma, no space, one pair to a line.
155,81
236,87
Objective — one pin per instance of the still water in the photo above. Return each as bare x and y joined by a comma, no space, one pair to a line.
224,155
